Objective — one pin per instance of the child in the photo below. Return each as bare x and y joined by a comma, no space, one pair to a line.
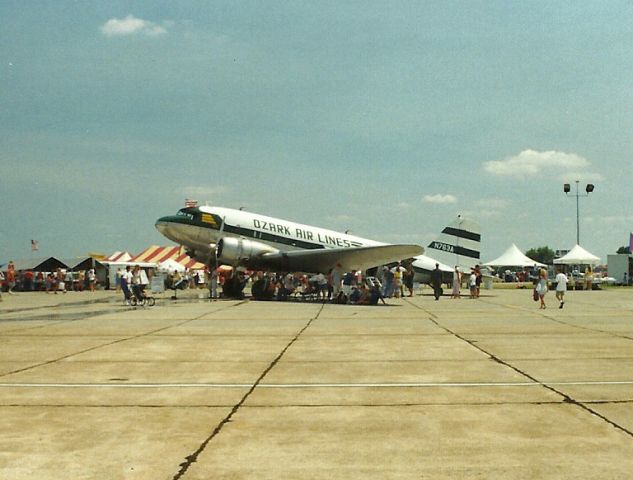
472,283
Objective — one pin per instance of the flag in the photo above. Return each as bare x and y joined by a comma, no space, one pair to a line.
35,245
189,202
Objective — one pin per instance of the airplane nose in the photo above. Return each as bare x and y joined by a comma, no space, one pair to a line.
162,224
168,226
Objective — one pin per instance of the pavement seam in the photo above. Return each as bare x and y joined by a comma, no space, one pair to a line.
193,457
566,398
121,340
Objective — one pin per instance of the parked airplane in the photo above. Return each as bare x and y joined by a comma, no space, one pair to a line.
238,237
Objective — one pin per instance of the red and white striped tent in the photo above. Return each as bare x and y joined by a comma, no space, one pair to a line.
156,254
118,257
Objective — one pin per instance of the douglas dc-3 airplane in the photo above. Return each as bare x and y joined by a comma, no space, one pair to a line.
239,238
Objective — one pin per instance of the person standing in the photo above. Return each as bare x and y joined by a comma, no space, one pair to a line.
398,273
436,281
321,282
479,278
10,277
213,284
336,277
561,287
407,279
541,286
588,278
457,280
92,279
472,283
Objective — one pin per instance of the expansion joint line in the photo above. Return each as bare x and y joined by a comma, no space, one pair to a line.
566,398
191,459
120,340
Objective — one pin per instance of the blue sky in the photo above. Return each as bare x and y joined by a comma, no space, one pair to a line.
385,118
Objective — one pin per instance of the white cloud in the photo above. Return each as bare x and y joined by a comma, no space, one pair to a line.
439,198
131,25
530,163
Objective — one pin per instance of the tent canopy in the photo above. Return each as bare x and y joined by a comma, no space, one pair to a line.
42,264
119,256
578,256
81,263
513,257
160,254
170,265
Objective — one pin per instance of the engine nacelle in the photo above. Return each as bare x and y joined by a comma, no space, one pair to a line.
233,250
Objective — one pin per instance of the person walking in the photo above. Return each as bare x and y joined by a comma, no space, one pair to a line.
561,287
436,281
541,286
126,283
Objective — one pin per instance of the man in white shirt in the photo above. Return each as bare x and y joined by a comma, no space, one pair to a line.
561,287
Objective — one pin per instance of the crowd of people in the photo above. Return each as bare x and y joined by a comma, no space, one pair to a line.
61,280
336,286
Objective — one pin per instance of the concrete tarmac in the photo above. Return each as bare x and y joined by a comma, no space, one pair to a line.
492,388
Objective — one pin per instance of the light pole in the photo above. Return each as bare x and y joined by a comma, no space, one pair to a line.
588,189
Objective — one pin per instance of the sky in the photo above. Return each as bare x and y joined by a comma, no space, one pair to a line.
384,118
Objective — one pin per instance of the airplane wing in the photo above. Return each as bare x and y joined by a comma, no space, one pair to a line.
322,260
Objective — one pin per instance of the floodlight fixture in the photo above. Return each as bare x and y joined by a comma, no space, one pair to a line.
588,189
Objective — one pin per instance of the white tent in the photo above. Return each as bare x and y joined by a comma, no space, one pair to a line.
578,256
170,265
513,257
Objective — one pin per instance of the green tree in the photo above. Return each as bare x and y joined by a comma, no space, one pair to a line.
624,250
541,254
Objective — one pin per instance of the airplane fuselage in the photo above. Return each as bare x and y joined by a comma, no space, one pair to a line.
200,229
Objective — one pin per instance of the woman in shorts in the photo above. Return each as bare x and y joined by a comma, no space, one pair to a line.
541,286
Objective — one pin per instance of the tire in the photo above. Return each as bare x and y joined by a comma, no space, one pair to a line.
151,301
133,301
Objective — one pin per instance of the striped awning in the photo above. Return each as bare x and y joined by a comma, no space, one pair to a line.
118,257
156,254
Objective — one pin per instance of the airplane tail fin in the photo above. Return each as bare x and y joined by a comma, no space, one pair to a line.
458,244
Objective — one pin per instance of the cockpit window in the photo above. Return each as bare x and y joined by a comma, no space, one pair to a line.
184,213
